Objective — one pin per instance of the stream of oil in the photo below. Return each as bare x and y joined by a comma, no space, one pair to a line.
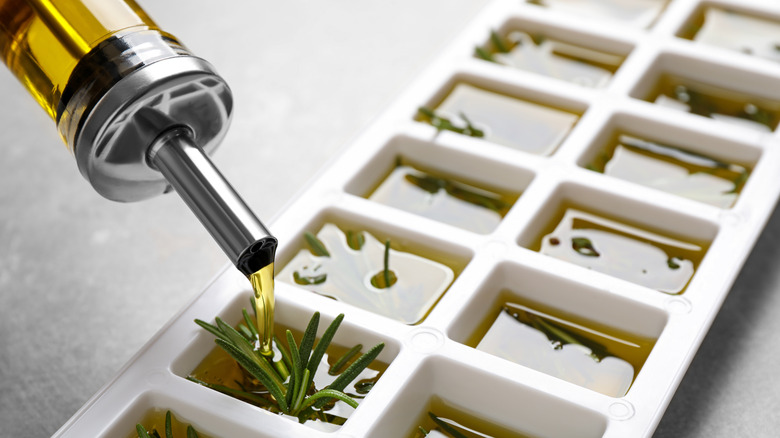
263,287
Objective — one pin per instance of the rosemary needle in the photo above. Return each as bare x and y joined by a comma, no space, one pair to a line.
387,263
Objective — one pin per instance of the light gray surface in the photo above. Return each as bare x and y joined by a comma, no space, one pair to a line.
85,282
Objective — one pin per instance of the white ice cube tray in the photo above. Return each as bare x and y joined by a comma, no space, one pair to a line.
429,359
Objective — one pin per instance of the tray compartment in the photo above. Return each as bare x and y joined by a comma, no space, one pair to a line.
741,98
502,114
411,251
637,325
735,28
549,50
204,421
494,400
296,317
668,158
465,172
667,246
636,13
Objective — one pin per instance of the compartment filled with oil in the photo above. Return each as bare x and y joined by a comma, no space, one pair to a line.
442,420
221,372
732,30
154,423
549,57
716,103
646,258
672,169
589,355
356,268
640,13
501,119
443,198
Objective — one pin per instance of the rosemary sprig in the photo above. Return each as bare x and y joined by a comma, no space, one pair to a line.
432,185
558,334
386,278
289,381
498,44
444,124
386,271
143,433
445,427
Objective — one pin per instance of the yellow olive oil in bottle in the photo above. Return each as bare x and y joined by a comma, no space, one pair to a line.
41,41
140,113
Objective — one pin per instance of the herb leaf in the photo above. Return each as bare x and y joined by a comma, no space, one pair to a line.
498,43
483,54
315,245
142,433
355,240
558,334
168,426
309,336
584,246
346,357
356,368
446,427
322,345
444,124
322,396
233,392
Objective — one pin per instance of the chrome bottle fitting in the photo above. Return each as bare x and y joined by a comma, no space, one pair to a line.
141,113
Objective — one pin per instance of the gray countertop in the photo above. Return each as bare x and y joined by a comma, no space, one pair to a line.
85,282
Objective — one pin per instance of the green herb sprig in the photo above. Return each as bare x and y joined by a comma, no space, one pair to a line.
289,381
432,185
385,278
498,46
143,433
558,334
443,427
445,124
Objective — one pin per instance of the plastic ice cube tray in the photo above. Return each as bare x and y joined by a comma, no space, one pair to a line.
657,39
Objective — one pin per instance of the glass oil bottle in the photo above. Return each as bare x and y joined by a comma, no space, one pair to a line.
138,111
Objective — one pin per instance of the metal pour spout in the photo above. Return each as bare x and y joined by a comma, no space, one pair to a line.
240,234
